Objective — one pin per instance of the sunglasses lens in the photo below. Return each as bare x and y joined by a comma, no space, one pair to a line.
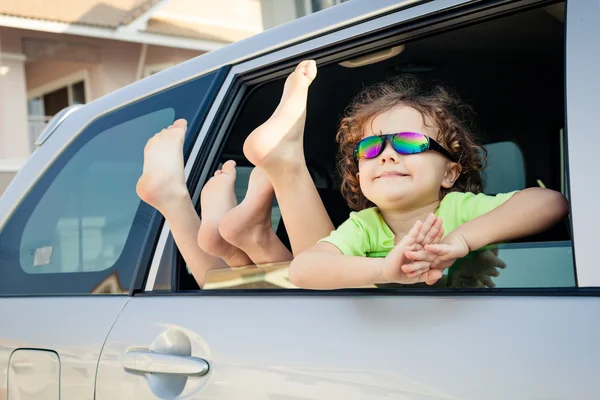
369,147
410,143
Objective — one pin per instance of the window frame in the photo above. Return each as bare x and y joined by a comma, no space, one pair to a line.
66,81
61,153
582,32
408,23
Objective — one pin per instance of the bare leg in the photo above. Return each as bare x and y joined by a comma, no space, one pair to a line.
216,199
277,148
162,185
248,226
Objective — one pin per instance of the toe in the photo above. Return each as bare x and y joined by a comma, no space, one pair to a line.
229,167
310,69
180,123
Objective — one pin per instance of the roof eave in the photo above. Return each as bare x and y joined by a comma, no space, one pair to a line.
111,34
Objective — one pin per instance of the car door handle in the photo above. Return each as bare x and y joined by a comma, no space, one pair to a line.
149,362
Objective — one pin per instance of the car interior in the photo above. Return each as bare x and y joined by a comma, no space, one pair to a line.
509,69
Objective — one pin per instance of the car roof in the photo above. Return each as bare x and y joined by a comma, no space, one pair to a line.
301,29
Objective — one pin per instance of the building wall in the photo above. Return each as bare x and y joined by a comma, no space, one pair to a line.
5,178
109,65
14,143
277,12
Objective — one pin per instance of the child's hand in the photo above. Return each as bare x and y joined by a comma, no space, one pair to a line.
431,232
394,262
441,255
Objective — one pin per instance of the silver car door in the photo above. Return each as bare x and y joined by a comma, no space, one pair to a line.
71,241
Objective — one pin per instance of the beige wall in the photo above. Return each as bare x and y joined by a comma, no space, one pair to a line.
14,143
277,12
117,65
157,55
42,72
5,178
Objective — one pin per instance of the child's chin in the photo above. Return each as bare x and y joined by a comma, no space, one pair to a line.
391,199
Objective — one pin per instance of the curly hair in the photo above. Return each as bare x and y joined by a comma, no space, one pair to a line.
449,115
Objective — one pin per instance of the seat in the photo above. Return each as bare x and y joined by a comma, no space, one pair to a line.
505,171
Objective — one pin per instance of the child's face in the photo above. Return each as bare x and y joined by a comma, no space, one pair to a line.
395,181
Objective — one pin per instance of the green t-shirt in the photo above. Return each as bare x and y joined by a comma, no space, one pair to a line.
366,233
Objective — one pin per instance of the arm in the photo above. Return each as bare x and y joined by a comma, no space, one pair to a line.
323,266
528,212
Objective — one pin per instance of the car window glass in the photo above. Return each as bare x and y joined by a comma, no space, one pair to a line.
83,220
82,229
522,152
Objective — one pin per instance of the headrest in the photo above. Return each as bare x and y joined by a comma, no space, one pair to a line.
505,171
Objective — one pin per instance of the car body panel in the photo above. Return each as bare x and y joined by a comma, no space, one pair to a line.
366,347
313,345
75,328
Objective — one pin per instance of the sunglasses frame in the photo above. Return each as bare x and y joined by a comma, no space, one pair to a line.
431,145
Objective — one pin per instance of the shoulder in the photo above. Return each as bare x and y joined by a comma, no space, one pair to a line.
455,198
465,206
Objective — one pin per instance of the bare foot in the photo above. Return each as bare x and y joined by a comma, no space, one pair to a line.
248,226
280,137
162,182
217,198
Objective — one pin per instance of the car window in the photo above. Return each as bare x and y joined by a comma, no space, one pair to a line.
523,152
82,227
83,220
508,266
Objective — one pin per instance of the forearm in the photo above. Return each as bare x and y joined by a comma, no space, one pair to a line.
185,223
528,212
324,270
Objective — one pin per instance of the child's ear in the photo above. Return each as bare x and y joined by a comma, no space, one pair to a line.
452,173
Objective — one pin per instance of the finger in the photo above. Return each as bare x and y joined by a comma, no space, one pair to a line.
433,232
442,264
421,255
432,276
426,227
180,123
440,235
490,258
444,251
470,282
416,267
492,272
487,281
411,236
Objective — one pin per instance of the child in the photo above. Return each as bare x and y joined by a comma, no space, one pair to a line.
406,157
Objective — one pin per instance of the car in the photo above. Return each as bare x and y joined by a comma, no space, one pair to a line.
96,301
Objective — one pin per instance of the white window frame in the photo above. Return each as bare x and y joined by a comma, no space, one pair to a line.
67,80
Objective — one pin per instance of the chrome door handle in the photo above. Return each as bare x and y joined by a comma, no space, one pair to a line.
149,362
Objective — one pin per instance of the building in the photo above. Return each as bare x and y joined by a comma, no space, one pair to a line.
62,52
